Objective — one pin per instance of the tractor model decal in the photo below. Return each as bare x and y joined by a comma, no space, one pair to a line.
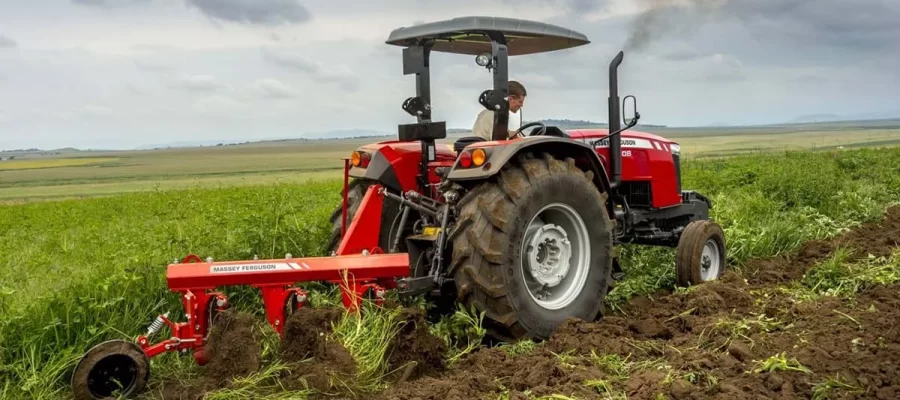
241,268
626,142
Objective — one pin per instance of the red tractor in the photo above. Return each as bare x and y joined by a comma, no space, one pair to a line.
523,229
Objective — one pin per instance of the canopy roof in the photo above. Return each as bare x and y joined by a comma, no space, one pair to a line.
468,35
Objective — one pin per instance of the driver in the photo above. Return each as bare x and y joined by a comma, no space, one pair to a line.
484,124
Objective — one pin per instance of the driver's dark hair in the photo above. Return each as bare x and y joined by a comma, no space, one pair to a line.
516,89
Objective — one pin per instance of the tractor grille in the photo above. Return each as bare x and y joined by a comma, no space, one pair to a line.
637,193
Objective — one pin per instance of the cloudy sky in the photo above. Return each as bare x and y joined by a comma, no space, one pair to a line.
126,73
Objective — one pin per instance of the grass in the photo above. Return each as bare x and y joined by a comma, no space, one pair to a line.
740,328
366,337
832,388
78,272
462,332
24,164
779,362
838,277
770,204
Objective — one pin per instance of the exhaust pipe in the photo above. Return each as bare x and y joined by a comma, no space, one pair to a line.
615,142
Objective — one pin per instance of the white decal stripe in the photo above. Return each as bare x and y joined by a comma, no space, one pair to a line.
249,268
632,143
305,265
294,265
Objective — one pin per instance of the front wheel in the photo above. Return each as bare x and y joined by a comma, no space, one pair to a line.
533,248
700,255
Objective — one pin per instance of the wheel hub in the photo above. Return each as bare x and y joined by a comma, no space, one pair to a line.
548,255
555,256
709,261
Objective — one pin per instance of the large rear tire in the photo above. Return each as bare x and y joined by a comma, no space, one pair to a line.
533,247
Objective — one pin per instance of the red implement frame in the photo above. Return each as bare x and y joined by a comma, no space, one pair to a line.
360,269
345,194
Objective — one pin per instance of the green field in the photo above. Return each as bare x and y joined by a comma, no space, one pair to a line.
296,161
77,272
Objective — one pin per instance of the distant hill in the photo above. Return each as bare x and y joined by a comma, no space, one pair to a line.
345,134
582,124
870,116
334,134
38,152
816,118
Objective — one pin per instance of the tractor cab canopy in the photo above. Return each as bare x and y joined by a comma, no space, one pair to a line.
473,36
492,40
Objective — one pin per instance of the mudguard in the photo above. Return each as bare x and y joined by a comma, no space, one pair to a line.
501,152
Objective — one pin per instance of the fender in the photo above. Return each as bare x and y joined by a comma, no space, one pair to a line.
381,170
395,164
501,152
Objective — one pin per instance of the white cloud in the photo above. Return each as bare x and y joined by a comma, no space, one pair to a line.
265,12
317,71
96,110
273,88
200,83
153,65
216,104
161,70
6,42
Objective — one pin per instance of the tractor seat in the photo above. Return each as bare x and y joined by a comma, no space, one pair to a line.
462,142
555,131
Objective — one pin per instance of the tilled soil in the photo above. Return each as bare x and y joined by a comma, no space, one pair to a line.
233,351
709,342
318,361
415,351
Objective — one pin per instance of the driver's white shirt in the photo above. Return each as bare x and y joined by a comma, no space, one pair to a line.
515,121
484,124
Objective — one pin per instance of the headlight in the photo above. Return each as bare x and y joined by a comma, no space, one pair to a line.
483,59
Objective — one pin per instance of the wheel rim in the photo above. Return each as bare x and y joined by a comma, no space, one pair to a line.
710,261
111,374
555,256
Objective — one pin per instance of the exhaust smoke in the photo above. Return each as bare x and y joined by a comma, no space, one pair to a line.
663,17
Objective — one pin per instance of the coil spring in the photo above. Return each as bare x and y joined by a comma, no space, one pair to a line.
156,325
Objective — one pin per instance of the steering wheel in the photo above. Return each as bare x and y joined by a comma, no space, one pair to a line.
541,131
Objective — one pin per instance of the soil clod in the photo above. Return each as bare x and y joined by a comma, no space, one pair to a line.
319,362
414,350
